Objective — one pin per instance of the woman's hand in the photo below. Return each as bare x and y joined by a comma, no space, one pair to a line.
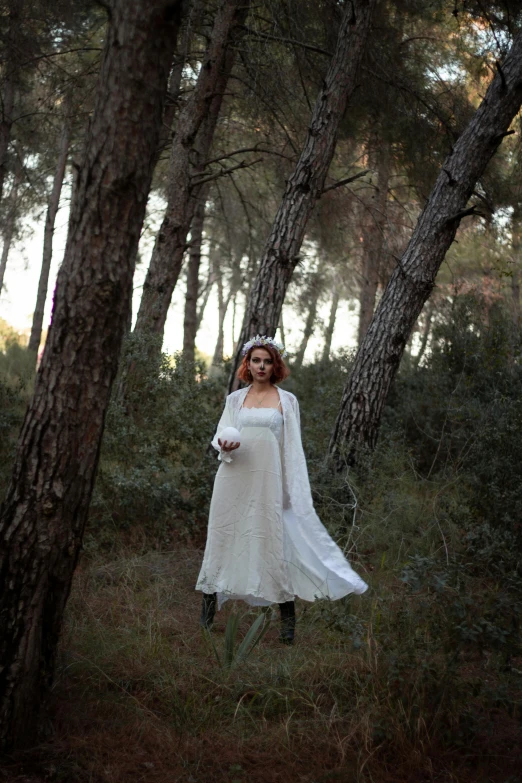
226,446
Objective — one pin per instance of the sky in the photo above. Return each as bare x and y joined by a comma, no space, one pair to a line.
18,297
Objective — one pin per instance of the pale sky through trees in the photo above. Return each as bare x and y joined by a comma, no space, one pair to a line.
18,298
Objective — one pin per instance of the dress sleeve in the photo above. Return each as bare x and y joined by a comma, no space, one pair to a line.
225,421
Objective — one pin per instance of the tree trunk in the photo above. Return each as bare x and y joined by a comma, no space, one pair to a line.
193,140
223,303
281,328
44,513
10,223
206,296
192,13
414,277
190,325
50,219
328,335
374,227
309,327
516,246
304,188
425,331
11,70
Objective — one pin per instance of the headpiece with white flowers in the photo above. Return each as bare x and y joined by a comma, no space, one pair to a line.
260,342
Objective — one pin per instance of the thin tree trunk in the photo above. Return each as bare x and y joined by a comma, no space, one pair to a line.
425,332
12,56
44,513
516,245
194,134
223,302
190,325
304,188
328,335
193,11
309,328
374,236
206,297
10,223
50,220
515,297
414,277
281,328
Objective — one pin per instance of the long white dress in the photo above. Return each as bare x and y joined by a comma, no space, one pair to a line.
265,543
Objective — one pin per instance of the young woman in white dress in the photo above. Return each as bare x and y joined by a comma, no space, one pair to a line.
265,543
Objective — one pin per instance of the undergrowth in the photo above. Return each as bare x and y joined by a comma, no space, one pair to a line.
420,679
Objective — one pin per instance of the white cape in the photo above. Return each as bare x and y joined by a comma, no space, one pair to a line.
316,565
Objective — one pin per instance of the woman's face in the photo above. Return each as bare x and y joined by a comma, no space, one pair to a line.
261,365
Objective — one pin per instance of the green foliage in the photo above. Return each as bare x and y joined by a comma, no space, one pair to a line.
155,468
234,654
16,382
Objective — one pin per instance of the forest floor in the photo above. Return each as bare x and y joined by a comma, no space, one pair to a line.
140,696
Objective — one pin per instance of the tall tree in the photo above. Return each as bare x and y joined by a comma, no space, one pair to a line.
411,283
11,76
304,188
328,332
373,229
44,513
50,219
10,220
190,324
189,153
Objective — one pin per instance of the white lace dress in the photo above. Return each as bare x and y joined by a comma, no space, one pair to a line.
258,547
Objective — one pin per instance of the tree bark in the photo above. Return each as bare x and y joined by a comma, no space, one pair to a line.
374,227
50,220
304,188
328,335
12,56
189,152
412,281
190,326
10,222
44,513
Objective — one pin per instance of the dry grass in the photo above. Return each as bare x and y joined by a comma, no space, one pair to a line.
139,697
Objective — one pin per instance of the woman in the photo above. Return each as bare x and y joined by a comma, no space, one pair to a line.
265,542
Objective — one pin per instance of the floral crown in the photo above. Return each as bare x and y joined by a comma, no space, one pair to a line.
260,341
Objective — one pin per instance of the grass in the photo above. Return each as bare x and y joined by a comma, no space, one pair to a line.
139,695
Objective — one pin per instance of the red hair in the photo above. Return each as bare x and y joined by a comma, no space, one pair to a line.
280,372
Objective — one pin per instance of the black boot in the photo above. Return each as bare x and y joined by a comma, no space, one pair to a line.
287,622
208,610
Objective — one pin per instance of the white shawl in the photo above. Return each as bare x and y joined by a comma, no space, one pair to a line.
317,565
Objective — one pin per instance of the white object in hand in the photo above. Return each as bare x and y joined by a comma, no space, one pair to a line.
230,435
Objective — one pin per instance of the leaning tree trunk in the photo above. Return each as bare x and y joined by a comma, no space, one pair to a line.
328,335
10,222
50,220
304,188
190,324
193,140
374,227
414,277
43,517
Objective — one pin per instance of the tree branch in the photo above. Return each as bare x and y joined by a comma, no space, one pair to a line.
345,181
243,165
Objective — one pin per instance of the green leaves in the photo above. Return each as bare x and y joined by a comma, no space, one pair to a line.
234,653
